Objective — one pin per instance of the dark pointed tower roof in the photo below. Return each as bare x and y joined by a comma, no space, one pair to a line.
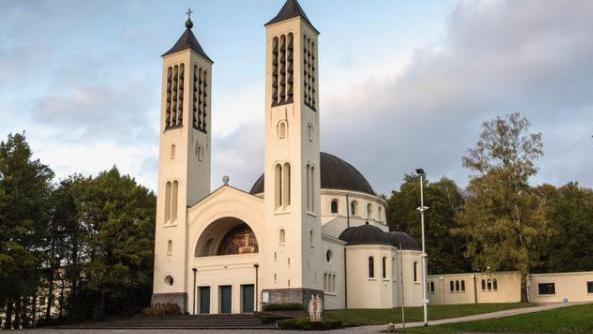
188,41
291,9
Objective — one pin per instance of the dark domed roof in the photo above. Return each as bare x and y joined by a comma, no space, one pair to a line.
365,235
335,174
403,239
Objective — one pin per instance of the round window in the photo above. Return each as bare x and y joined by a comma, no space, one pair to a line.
328,255
169,280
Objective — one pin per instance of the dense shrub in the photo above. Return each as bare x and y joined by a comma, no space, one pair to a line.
306,324
283,307
162,309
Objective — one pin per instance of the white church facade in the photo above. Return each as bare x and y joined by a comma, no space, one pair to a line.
314,227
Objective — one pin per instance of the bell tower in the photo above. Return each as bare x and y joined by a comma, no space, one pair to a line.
184,159
291,187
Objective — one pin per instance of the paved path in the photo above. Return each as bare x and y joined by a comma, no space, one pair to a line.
361,330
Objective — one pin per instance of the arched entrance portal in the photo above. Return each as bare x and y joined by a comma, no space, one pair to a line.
226,262
227,236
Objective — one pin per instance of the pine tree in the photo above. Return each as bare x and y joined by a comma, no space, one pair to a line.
24,190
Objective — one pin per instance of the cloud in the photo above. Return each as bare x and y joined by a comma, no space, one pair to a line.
87,108
90,113
533,57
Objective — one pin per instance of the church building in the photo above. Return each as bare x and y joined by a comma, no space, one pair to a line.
311,225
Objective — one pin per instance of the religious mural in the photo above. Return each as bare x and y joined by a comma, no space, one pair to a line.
239,240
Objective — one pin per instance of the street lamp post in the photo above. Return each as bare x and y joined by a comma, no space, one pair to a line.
195,270
423,208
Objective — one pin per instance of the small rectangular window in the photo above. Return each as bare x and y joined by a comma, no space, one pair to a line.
451,286
590,287
432,287
462,285
546,288
456,285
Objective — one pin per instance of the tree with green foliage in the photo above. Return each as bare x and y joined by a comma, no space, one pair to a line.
25,186
569,211
445,252
503,218
118,217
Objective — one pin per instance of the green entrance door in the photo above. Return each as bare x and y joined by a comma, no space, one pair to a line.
247,296
225,299
204,298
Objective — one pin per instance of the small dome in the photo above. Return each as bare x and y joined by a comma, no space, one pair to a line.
405,240
335,174
365,235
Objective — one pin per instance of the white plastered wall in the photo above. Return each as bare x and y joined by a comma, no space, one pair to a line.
572,286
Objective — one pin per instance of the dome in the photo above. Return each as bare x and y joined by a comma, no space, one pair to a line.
365,235
405,240
335,174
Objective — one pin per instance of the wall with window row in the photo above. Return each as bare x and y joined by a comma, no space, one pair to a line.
469,288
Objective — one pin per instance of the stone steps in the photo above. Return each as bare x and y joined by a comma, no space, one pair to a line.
214,321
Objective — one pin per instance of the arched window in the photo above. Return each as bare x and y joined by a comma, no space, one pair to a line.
495,284
167,202
334,206
278,183
325,282
282,237
462,285
310,186
393,269
169,247
489,284
328,256
172,153
451,286
483,285
415,271
310,132
200,152
354,208
369,211
334,283
286,185
384,267
169,280
457,287
282,129
380,213
174,191
371,267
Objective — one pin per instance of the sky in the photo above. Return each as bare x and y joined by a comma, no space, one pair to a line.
403,83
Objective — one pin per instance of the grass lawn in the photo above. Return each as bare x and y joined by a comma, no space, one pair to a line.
361,317
572,319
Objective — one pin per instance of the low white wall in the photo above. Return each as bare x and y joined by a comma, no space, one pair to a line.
570,286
